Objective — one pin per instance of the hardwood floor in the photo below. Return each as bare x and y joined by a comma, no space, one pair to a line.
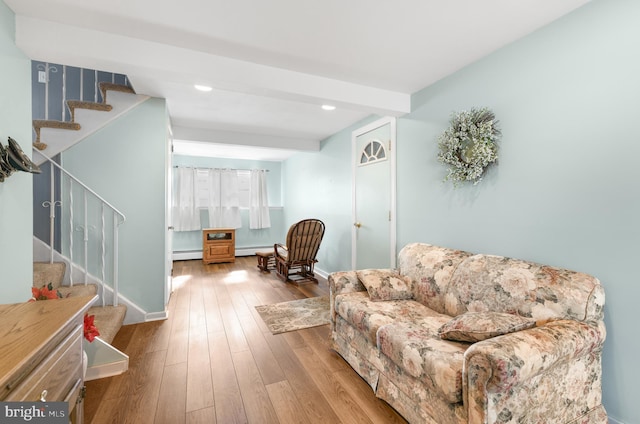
214,360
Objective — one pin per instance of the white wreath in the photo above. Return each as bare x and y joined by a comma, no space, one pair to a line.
469,145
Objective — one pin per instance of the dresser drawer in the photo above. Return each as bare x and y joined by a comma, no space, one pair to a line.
57,373
221,251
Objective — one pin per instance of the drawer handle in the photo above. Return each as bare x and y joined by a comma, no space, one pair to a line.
43,395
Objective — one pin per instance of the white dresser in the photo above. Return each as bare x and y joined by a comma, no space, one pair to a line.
41,351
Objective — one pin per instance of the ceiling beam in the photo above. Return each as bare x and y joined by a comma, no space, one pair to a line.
245,139
61,43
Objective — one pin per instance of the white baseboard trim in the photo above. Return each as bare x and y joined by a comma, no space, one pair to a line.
187,255
322,273
134,315
156,316
197,254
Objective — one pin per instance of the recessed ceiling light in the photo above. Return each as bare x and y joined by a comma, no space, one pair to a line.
204,88
328,107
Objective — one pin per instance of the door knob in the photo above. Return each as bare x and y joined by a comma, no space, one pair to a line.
357,225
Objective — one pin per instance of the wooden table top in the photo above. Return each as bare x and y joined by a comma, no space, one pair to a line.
29,328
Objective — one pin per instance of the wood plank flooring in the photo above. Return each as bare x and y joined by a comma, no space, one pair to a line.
215,361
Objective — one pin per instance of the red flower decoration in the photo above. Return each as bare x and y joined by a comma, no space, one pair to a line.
46,292
90,330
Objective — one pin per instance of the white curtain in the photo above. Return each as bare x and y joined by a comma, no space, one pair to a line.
224,206
186,217
259,208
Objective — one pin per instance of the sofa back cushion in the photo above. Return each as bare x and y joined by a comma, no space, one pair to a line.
495,283
430,269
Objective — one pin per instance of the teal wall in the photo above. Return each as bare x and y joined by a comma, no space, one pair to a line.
318,185
566,191
126,162
245,238
16,247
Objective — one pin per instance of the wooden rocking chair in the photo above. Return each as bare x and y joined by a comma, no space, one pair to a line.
298,256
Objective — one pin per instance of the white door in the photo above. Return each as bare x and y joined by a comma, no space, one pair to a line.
169,221
373,235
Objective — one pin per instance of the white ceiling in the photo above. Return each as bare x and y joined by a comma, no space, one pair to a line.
272,64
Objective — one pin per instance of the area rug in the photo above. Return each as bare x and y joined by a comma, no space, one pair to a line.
296,314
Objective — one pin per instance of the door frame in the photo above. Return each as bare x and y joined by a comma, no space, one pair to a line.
168,260
392,158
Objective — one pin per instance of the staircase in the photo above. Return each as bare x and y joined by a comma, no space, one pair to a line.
102,359
55,136
82,243
108,319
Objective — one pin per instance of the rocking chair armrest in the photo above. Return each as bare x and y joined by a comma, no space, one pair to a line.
277,247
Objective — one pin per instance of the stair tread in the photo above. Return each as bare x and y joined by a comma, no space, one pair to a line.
116,87
50,123
104,86
108,320
81,104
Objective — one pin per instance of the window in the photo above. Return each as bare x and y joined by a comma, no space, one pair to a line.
244,189
221,193
202,188
374,151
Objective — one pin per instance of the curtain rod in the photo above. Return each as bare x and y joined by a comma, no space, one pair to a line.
222,169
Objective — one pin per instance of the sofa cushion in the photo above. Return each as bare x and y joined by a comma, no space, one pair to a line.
495,283
368,316
385,284
477,326
416,347
430,268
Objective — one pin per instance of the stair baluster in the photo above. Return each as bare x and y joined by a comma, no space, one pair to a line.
102,275
102,250
71,262
51,204
85,239
116,245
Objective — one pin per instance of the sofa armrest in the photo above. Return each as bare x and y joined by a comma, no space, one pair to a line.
496,369
342,282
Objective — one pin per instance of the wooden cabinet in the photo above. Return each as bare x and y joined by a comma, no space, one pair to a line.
41,351
218,245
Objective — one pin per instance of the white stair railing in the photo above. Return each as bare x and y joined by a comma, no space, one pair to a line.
99,239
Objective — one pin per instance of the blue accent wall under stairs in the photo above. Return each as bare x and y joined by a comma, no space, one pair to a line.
66,83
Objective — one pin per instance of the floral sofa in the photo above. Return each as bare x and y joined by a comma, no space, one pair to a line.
453,337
